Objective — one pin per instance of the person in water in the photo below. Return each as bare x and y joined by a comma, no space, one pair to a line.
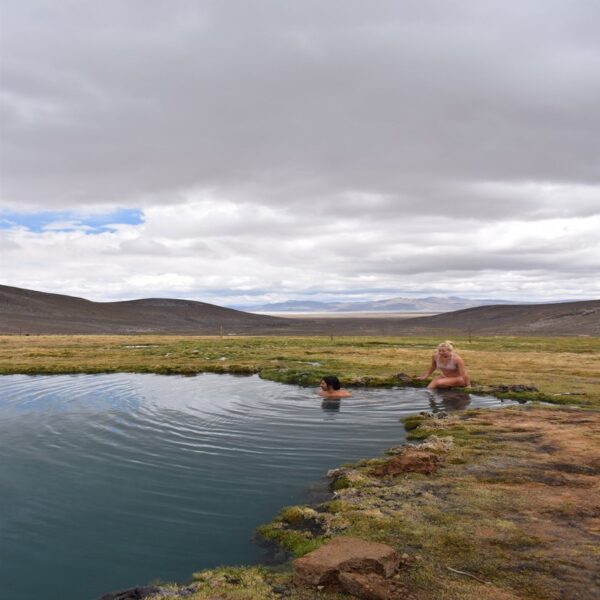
452,366
331,388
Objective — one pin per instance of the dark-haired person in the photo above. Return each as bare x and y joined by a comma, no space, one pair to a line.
452,366
331,388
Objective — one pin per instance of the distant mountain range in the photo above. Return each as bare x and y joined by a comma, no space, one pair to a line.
429,304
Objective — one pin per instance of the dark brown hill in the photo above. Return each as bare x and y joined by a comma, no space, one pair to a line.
27,311
564,318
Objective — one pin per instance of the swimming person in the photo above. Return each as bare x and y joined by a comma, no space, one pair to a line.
452,366
331,388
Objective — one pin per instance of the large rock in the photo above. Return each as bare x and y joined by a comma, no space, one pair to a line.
410,461
322,567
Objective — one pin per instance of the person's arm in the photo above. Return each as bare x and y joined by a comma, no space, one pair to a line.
432,368
462,370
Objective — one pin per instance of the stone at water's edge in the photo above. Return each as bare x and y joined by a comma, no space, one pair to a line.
323,566
136,593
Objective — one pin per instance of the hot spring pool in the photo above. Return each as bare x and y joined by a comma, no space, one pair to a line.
111,481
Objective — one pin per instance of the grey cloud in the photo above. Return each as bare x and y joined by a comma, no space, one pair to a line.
378,143
7,244
449,262
404,100
144,247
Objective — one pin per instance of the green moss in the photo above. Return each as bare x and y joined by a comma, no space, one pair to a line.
295,515
412,422
233,583
526,396
420,434
336,506
341,483
298,543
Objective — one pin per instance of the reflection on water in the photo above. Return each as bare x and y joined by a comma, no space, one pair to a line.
331,405
441,399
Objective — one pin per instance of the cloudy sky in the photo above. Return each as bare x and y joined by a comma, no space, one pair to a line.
245,151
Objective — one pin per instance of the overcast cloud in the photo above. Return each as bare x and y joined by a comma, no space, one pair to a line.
255,151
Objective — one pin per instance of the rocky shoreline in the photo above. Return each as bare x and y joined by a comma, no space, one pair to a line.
499,504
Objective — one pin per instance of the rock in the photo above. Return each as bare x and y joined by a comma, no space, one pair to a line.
403,377
370,586
409,461
136,593
281,590
323,566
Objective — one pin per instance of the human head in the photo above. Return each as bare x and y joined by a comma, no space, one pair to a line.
446,347
331,381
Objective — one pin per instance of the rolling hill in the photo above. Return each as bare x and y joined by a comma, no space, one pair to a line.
31,312
563,318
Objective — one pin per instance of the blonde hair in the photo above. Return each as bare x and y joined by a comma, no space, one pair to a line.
447,345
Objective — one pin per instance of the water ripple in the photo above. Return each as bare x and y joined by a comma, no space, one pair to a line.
110,481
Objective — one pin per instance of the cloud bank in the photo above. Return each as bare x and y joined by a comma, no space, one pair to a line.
277,150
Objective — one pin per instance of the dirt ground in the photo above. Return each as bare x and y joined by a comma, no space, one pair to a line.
510,509
546,472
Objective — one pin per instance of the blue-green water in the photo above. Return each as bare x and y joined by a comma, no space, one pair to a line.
111,481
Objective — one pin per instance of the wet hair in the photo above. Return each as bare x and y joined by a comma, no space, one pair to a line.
332,381
447,345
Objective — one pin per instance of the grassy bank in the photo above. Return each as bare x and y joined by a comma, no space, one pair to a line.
564,369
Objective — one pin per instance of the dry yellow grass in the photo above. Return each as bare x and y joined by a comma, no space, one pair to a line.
563,368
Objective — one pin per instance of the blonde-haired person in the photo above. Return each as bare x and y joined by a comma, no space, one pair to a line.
452,366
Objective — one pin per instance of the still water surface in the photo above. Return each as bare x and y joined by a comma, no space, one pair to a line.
111,481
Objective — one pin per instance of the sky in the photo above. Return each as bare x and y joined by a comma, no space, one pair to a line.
252,151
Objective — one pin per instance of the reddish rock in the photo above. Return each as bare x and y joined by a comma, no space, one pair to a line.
370,586
344,555
410,461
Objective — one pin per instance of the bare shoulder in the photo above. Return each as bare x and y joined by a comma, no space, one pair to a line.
335,394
